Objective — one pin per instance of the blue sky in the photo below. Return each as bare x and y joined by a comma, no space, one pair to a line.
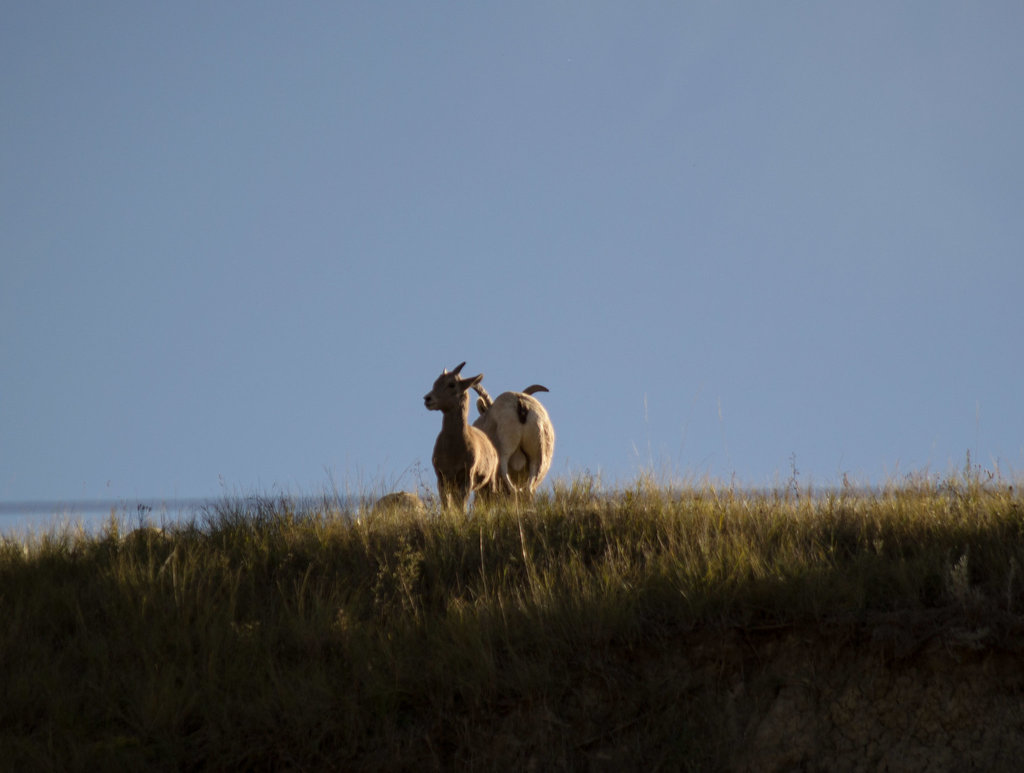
238,242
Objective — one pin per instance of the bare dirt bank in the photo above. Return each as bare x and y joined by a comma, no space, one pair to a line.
912,692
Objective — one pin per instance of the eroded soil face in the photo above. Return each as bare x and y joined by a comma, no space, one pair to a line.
928,693
937,690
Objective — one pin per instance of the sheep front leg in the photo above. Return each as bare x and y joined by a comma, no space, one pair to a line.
452,492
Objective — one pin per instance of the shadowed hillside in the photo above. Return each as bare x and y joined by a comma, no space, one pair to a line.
651,628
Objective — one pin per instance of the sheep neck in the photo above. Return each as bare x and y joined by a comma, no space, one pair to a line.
455,422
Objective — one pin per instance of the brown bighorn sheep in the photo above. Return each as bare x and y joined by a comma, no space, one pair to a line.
464,458
521,431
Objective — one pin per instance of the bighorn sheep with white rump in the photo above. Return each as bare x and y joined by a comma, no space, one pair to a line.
465,459
521,431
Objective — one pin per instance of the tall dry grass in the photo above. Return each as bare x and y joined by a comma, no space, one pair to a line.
262,635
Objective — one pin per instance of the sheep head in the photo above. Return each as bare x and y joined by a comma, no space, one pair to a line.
449,391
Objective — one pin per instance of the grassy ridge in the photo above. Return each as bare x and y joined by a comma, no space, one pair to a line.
262,637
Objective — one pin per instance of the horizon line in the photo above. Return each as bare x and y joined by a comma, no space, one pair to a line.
130,504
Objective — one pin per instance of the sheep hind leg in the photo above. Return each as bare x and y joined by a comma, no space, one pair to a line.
505,483
506,479
533,476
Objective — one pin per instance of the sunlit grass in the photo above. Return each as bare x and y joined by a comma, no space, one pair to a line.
264,634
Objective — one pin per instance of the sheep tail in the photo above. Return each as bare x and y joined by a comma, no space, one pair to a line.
524,409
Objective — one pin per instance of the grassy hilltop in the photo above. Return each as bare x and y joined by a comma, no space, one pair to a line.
632,629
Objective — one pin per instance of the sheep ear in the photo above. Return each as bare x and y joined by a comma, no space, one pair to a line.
459,367
471,382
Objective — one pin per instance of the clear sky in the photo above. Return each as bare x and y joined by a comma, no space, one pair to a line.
238,241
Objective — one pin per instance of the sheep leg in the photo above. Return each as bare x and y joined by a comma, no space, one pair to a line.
533,463
453,492
444,492
504,476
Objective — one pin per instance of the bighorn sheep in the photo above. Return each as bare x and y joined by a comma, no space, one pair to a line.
521,431
464,457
